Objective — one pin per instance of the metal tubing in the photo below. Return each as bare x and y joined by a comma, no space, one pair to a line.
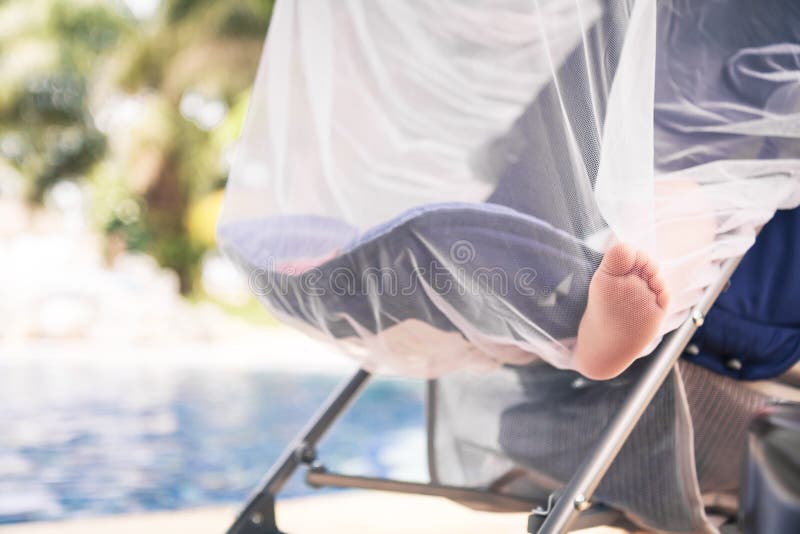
258,516
577,494
321,478
479,499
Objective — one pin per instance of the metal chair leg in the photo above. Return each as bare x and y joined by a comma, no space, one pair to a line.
576,496
258,516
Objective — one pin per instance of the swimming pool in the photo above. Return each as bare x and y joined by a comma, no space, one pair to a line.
82,439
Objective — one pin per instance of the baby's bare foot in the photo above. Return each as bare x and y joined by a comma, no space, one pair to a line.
627,302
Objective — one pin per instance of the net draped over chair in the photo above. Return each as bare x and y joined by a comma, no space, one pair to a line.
431,185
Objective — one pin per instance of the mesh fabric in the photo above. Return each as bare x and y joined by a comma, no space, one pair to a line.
432,185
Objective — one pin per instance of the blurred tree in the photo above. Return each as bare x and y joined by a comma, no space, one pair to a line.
48,48
136,103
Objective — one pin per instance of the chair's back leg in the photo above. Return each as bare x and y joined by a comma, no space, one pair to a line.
576,496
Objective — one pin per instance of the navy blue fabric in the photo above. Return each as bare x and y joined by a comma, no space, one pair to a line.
757,320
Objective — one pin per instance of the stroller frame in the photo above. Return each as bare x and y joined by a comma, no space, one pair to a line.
570,507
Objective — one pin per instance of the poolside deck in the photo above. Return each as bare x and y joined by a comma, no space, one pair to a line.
345,512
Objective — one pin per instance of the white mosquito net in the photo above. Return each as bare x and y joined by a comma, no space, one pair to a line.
431,185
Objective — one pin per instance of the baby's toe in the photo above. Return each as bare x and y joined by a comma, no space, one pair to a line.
619,260
662,295
648,268
656,284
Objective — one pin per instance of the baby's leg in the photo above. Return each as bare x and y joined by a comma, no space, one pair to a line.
685,230
627,302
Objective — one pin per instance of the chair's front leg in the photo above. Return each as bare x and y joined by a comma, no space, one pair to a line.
258,516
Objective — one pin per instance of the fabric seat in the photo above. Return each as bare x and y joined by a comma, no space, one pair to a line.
526,274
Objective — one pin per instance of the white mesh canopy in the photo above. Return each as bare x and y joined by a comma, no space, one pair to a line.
431,185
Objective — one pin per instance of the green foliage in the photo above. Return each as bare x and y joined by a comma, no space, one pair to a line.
53,132
56,97
246,19
93,27
176,10
70,154
66,64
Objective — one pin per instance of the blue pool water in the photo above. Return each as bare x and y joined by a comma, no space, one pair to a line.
79,440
